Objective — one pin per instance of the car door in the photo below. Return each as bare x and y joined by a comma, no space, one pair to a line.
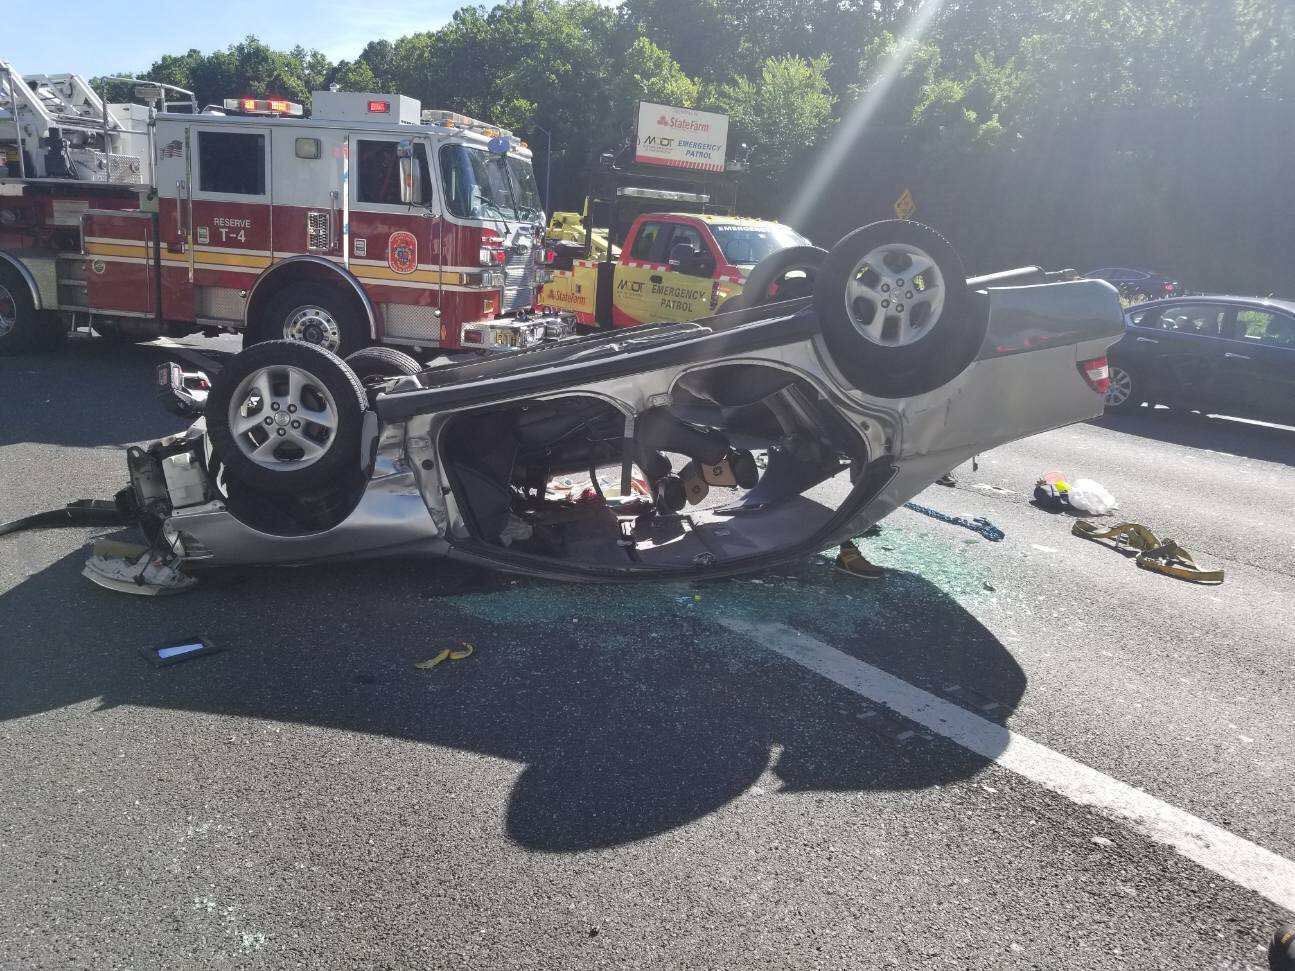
1258,366
680,292
1178,350
632,300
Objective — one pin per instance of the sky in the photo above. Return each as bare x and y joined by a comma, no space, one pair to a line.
116,36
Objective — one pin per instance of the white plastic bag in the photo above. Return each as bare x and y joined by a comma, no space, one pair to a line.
1091,497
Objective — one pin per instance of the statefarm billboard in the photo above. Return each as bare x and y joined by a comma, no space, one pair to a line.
681,138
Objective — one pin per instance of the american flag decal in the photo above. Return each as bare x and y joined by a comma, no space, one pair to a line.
173,149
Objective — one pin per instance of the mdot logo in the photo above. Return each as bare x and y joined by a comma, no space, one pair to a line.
681,138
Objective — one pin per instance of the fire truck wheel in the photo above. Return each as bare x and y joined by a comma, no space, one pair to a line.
286,417
895,311
784,275
314,314
22,326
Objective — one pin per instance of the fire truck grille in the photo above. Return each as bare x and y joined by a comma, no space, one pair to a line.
409,321
519,281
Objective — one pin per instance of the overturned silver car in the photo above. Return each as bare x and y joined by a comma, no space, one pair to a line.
704,448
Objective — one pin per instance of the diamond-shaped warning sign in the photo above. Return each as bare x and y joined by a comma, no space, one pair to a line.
905,206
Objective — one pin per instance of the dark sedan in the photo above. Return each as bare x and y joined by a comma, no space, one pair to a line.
1231,355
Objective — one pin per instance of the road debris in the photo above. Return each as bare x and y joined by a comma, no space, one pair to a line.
978,525
464,650
1165,557
1092,498
131,568
174,652
81,512
1054,493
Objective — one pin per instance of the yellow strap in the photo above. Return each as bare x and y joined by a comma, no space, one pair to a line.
1159,557
1174,561
447,654
1125,534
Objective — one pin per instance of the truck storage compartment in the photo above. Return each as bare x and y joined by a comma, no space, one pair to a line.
120,250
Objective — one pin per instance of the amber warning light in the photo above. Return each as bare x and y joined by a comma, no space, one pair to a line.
263,106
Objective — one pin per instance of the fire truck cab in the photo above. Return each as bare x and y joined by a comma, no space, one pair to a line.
371,221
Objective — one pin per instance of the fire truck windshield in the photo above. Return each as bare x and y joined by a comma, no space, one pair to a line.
479,185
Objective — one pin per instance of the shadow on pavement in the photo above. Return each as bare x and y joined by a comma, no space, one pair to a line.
1267,443
632,709
88,393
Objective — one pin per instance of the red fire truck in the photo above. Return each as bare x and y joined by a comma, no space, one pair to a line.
371,221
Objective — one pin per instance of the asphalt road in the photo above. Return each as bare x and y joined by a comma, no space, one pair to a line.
642,777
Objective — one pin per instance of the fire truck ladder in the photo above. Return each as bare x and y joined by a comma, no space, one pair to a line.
54,126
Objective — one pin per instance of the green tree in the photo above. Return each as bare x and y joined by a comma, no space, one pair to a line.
781,114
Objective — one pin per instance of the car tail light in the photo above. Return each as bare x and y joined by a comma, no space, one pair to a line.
1097,374
1169,287
550,256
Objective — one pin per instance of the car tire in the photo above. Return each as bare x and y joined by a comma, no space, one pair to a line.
1122,395
311,313
381,362
22,326
884,337
771,270
326,390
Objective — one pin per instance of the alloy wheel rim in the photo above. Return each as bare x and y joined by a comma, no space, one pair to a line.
313,325
8,311
1120,387
894,296
282,417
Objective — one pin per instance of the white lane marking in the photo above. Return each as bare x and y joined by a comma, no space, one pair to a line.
1226,854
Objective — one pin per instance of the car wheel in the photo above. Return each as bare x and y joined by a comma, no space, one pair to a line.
785,275
381,362
312,313
286,417
22,326
1121,395
895,311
